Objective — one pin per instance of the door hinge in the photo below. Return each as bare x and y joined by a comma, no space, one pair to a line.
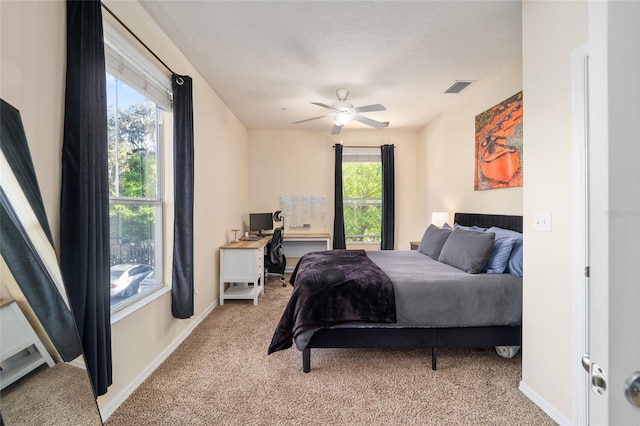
587,271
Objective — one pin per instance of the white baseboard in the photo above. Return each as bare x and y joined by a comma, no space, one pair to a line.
78,363
544,405
108,409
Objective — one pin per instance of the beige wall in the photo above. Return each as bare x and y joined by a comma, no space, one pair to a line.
33,39
239,171
33,80
302,163
551,31
446,152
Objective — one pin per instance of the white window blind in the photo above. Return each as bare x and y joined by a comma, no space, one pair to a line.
128,64
361,155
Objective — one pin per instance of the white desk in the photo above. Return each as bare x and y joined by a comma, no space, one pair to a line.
242,266
296,245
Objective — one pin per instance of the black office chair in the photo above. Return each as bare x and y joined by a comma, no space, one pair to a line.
274,259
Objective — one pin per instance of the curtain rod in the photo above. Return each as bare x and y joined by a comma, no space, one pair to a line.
361,146
136,37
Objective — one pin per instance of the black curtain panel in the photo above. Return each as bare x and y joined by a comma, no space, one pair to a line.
388,197
84,204
26,244
182,276
339,240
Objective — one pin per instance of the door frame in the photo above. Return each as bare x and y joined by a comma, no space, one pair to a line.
580,139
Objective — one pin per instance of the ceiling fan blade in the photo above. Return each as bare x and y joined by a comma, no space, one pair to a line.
370,108
309,119
370,122
336,129
321,105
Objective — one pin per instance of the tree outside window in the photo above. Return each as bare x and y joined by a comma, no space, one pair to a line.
362,195
134,127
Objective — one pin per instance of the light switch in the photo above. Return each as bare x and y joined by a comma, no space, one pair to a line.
542,221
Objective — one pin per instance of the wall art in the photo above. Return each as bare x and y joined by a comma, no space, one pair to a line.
498,146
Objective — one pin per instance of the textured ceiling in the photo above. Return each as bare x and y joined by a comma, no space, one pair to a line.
268,60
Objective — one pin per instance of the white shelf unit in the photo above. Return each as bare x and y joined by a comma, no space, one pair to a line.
21,351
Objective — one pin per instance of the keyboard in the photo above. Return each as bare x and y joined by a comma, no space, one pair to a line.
251,238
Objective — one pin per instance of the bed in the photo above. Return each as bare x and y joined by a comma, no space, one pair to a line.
419,300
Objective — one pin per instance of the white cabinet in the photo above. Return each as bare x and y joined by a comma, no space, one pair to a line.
242,267
21,351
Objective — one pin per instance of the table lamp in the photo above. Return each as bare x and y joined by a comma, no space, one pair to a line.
439,218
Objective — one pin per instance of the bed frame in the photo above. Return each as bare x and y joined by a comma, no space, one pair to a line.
433,338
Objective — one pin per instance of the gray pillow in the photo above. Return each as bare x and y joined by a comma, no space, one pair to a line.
467,250
433,240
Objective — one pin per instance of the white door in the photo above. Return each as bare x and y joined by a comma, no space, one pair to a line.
614,208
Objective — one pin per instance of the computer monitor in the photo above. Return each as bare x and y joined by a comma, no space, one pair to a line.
259,222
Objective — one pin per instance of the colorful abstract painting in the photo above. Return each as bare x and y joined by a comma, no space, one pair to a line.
499,146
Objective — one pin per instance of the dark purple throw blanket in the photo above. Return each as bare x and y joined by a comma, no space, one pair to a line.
334,287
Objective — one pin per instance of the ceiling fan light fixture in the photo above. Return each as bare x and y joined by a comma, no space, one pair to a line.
342,113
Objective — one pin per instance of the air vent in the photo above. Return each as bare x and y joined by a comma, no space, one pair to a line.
458,86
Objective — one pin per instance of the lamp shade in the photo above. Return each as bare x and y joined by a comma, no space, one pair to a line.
439,218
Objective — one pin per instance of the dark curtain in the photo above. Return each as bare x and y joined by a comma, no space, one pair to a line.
182,276
388,198
339,240
84,204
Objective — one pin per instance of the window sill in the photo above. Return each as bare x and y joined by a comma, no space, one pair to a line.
138,304
363,246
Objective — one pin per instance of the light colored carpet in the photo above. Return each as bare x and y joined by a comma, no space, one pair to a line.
60,395
222,374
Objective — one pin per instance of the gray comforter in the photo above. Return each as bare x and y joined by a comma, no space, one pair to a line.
432,294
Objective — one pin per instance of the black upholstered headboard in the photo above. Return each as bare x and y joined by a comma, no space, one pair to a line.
488,220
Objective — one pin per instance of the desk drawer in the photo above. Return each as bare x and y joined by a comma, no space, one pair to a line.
260,261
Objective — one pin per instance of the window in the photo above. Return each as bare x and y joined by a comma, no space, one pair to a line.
136,103
362,195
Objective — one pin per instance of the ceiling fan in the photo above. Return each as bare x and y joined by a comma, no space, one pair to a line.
343,113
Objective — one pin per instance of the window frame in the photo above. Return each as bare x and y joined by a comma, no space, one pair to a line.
128,65
357,154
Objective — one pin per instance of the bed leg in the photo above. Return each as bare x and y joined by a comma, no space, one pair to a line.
306,360
434,358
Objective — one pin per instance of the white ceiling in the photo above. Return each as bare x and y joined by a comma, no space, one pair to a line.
268,60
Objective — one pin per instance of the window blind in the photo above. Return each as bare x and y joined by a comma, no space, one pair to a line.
128,64
361,155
